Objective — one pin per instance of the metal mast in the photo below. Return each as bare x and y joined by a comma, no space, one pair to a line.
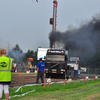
53,21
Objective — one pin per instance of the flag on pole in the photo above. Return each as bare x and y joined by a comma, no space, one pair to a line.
36,0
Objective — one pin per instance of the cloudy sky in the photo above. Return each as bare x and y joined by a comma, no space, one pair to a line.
26,22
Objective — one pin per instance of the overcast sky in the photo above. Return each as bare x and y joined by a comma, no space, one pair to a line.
26,22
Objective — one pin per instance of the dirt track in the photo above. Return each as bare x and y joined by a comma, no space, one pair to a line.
18,80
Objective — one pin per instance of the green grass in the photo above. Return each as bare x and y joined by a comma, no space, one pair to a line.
71,91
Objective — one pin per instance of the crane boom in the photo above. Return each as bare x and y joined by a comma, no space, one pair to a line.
54,15
53,21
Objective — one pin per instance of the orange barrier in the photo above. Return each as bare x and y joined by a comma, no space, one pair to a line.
20,74
44,84
35,73
84,80
65,81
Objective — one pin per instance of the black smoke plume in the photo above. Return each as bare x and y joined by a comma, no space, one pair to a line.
83,41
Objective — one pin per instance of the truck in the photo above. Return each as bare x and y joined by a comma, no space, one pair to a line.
74,63
56,64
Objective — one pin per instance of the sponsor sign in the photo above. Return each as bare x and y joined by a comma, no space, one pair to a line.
41,53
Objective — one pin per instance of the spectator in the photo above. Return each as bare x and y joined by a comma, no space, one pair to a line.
5,73
40,71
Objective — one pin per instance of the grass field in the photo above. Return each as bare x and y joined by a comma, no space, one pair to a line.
70,91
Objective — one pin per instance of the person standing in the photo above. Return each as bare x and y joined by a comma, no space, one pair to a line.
40,71
6,65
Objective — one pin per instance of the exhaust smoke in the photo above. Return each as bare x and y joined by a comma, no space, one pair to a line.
83,41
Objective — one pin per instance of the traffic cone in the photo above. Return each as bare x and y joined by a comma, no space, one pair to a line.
35,72
84,80
20,74
65,81
44,84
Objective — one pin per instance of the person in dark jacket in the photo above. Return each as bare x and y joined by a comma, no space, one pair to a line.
40,71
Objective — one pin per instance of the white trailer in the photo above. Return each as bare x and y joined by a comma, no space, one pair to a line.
41,53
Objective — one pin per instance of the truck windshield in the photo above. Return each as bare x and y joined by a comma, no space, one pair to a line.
72,61
55,57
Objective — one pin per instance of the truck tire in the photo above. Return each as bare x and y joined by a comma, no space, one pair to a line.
47,75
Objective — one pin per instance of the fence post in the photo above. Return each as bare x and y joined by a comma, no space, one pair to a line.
88,70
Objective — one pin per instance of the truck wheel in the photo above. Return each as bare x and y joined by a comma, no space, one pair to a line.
63,76
47,75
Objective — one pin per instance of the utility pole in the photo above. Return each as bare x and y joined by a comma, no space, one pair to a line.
53,21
